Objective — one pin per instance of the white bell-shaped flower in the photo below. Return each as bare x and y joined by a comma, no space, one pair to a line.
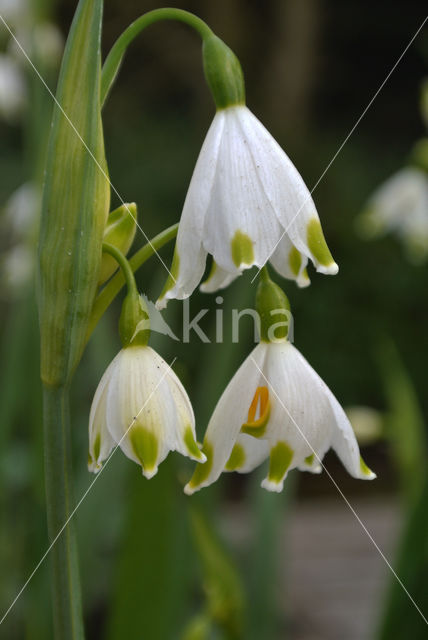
276,407
400,206
141,406
246,204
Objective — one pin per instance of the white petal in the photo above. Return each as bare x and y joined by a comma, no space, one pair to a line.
287,193
291,264
101,442
300,410
184,438
140,408
218,279
229,415
318,419
239,204
345,443
191,254
393,204
247,454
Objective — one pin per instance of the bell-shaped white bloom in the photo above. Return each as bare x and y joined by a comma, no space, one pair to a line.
400,206
141,406
276,407
246,204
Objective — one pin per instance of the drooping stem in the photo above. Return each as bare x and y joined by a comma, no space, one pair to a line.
124,265
114,58
66,594
112,288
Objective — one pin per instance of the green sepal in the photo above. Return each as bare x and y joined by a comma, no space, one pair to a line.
223,73
119,232
134,323
273,308
75,202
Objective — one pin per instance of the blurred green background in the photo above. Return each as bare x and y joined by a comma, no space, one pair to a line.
150,569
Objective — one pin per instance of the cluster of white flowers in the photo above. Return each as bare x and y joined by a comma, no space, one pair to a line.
246,205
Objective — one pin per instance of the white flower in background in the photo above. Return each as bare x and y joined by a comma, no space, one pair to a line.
246,204
21,211
13,91
141,406
14,11
19,225
368,424
42,41
400,206
276,407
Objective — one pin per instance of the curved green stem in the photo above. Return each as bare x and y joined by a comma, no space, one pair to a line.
66,596
123,263
112,288
114,58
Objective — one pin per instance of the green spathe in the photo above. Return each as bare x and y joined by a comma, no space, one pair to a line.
223,73
75,202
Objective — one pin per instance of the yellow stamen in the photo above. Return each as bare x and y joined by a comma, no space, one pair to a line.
257,426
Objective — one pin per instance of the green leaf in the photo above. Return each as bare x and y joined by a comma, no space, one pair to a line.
402,619
222,584
149,593
404,422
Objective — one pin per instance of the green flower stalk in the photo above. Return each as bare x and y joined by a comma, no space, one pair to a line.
74,213
119,232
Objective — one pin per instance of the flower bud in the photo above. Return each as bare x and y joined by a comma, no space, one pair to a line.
119,232
75,202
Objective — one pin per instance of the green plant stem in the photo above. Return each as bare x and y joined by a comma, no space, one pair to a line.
114,58
112,288
66,596
123,263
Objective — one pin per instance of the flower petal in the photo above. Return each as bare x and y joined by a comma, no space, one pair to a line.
189,255
140,408
247,454
101,442
225,424
184,438
290,263
345,443
218,279
240,225
300,414
288,195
